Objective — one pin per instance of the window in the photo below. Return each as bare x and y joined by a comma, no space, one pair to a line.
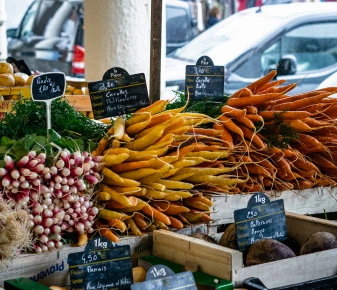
313,46
27,23
177,27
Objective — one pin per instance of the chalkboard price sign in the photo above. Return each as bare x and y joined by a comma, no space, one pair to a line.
160,277
48,86
205,80
118,96
101,266
262,219
115,73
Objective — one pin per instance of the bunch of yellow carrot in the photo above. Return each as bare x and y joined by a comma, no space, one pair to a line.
152,165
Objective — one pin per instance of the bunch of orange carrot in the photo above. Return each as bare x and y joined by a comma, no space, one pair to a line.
263,108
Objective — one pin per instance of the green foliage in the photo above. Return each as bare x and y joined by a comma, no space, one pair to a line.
279,134
206,106
29,118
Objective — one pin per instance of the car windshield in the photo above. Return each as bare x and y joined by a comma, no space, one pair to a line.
229,38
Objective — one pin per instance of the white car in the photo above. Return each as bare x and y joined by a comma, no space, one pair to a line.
331,81
300,39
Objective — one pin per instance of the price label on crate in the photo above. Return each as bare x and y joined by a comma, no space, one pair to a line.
161,277
262,219
205,80
119,93
101,266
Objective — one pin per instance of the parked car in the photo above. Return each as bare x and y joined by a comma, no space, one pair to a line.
50,36
331,81
300,39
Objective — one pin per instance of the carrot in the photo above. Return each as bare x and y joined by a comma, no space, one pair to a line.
103,196
162,142
136,208
134,228
111,159
109,215
257,169
112,204
282,165
226,136
297,97
262,81
128,166
298,126
137,127
146,141
175,124
196,204
254,118
160,225
104,142
179,192
246,121
137,118
244,92
181,152
230,125
252,110
322,162
252,101
140,221
170,184
82,240
253,137
269,90
122,182
105,232
175,223
137,173
295,105
114,151
119,128
153,213
285,115
145,154
155,108
207,132
309,141
118,224
315,108
158,119
120,198
111,175
285,89
233,112
271,84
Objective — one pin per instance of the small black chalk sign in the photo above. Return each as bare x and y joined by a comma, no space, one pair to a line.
118,96
205,80
114,73
262,219
48,86
101,266
160,277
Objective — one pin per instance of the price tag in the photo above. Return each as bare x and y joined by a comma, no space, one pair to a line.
160,277
119,95
262,219
115,73
101,266
46,87
205,80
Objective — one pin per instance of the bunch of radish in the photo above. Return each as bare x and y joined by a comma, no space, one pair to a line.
56,197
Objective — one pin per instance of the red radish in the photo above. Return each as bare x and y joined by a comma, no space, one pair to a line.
45,170
3,172
15,183
91,179
6,181
77,171
64,181
9,163
41,157
47,176
31,155
60,164
22,162
43,238
77,156
32,163
47,213
24,184
53,170
50,245
47,222
47,231
38,168
58,245
39,229
65,172
44,248
58,185
31,176
36,182
37,249
55,229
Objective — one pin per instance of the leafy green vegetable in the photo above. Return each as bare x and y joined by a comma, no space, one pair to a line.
29,118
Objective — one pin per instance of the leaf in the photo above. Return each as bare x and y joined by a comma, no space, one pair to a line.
23,146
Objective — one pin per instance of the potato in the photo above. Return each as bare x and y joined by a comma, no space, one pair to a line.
78,92
319,241
20,79
6,80
267,250
228,238
6,67
139,274
69,90
29,80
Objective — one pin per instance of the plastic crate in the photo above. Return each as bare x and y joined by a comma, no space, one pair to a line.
328,283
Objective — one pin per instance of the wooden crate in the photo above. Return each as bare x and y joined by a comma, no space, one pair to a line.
52,268
309,201
228,264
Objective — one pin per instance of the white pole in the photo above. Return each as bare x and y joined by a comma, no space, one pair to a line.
117,34
3,35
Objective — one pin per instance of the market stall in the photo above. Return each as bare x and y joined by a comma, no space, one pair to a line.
182,165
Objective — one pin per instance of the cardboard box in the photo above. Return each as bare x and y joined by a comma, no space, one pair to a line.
226,263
